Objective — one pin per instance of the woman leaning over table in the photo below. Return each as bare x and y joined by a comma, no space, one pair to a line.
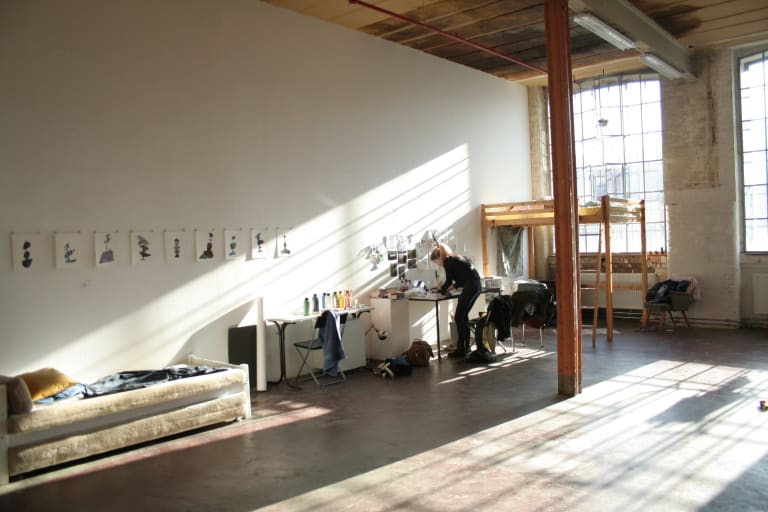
459,274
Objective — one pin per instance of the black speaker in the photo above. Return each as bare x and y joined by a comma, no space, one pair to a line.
242,349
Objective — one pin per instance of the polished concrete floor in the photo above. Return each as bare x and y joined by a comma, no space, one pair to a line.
667,421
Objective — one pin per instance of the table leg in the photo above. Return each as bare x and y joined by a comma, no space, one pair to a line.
437,326
281,337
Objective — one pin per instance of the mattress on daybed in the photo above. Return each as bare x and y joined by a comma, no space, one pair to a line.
161,396
73,429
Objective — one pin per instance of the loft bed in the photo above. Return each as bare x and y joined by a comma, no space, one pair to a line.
612,210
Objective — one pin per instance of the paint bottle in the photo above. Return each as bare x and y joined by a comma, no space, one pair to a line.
341,300
306,306
334,301
315,303
348,299
323,299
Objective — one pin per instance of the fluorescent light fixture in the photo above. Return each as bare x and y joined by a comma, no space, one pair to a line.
605,31
663,67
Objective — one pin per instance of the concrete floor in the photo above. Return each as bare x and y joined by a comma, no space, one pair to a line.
666,421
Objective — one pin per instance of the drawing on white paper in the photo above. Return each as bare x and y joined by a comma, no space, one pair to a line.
142,247
175,246
284,248
105,248
234,248
26,247
68,248
260,243
204,245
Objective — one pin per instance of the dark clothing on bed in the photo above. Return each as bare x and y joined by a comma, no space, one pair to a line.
125,381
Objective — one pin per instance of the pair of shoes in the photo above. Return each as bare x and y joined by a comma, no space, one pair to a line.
455,354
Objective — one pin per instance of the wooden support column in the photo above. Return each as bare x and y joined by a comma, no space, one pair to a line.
605,208
556,22
531,253
484,237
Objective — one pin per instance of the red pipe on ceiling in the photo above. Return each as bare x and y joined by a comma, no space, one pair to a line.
446,34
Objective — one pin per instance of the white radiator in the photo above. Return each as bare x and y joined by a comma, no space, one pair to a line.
760,293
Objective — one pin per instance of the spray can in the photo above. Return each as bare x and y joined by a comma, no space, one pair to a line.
306,306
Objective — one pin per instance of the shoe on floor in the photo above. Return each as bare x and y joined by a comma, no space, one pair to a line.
481,356
455,354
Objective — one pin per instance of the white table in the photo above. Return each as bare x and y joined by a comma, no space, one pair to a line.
282,322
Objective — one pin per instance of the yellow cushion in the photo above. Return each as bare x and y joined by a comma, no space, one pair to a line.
46,382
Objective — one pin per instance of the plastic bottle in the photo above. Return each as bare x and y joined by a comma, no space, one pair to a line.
348,299
315,303
334,301
323,299
306,306
341,299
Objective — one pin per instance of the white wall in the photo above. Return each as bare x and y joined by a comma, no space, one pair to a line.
189,115
700,187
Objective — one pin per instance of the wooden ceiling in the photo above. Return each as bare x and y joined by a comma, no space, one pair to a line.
515,28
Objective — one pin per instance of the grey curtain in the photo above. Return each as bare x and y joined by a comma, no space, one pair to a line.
508,260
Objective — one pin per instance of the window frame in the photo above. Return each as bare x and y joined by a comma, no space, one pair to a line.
739,56
587,233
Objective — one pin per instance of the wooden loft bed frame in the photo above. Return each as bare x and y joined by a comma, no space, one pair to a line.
612,210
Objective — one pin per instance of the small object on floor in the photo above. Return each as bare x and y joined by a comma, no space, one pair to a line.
763,407
384,370
488,356
481,356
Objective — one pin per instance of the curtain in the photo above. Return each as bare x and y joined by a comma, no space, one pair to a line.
509,263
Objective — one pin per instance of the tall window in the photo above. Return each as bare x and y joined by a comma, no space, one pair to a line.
618,136
753,80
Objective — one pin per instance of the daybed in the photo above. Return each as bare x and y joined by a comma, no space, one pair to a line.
76,428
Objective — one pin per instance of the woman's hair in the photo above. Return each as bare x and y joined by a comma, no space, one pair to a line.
441,251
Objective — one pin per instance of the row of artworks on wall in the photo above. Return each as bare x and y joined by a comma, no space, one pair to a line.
148,246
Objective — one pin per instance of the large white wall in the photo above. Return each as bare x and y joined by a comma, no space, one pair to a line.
195,114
